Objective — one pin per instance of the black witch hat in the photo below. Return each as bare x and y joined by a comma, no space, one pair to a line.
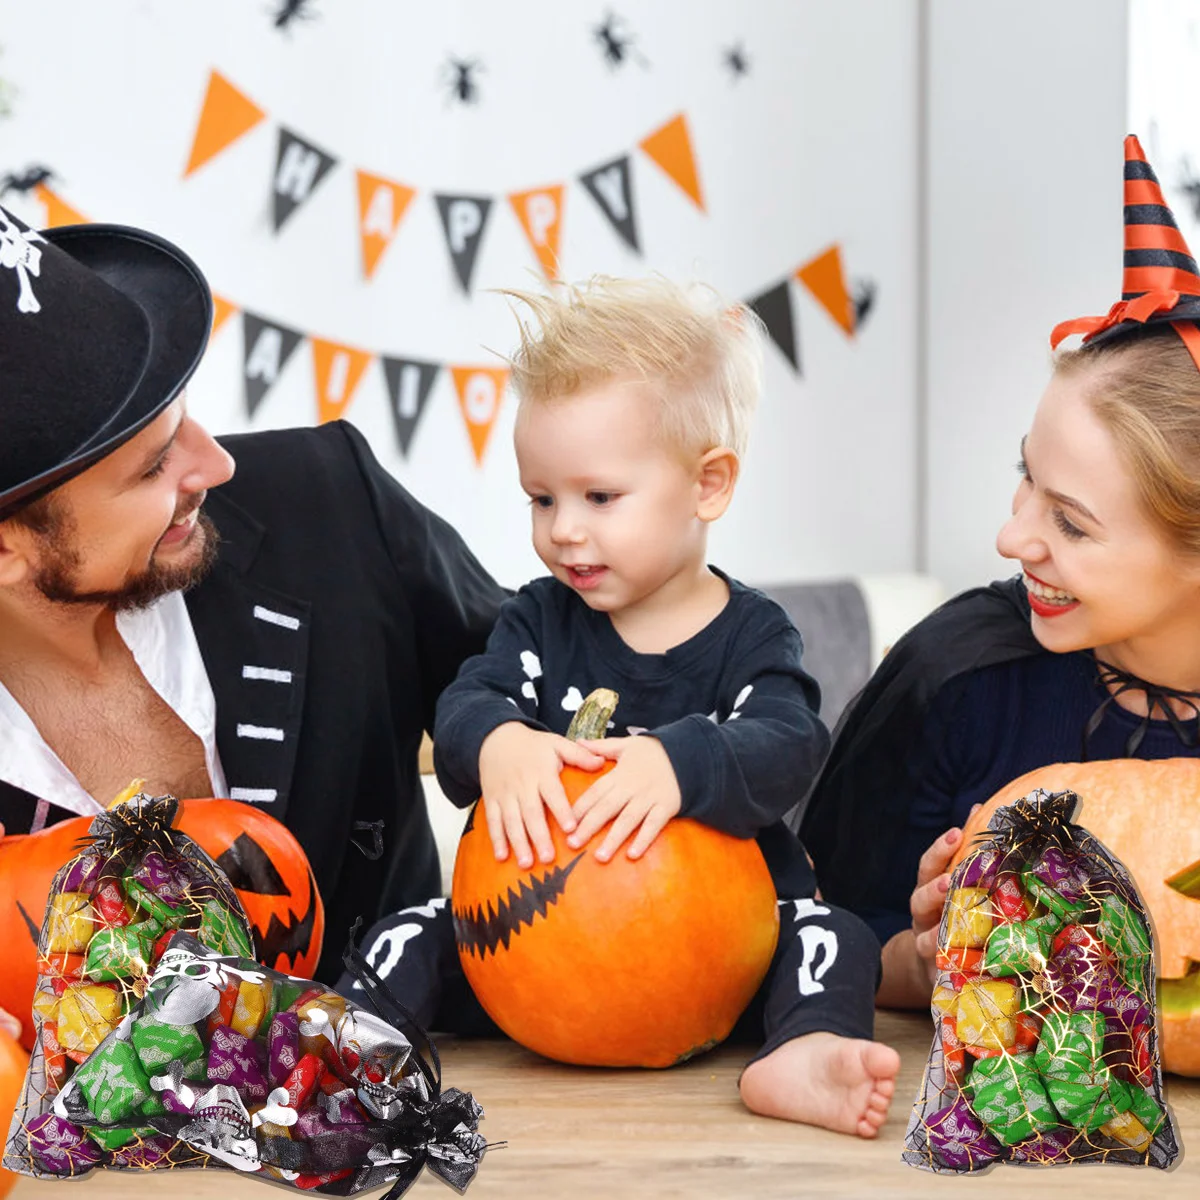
100,328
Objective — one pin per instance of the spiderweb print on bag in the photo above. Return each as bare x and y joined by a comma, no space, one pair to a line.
110,913
275,1077
1046,1044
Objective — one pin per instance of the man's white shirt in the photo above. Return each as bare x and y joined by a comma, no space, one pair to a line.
163,644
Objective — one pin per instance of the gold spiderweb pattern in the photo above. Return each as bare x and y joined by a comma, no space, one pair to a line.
1045,1050
135,882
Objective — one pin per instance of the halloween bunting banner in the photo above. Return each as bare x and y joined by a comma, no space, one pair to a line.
227,114
269,345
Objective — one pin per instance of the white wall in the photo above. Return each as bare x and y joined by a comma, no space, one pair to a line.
1026,116
816,145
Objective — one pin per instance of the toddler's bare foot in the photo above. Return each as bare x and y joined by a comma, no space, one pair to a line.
843,1084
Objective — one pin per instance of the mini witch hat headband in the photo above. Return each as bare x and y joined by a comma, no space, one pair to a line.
1161,281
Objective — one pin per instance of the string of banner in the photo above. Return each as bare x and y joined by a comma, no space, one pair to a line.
268,344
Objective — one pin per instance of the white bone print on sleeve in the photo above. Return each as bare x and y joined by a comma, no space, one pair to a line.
531,665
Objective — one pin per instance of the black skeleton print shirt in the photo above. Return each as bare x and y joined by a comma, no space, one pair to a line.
732,706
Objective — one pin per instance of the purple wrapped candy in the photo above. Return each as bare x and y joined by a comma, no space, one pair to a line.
82,873
1065,874
235,1059
144,1153
1119,1002
981,869
342,1107
60,1147
1051,1146
283,1046
958,1138
154,874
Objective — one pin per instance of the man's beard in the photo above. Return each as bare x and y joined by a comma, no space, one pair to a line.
56,577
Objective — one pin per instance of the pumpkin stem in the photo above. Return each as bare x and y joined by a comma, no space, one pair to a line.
593,715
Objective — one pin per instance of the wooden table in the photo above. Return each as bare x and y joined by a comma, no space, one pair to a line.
578,1134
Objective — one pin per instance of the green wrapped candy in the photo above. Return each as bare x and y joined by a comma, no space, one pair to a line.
165,914
1071,1048
1089,1105
113,1082
122,1135
1046,896
1020,945
1125,931
220,930
1146,1109
284,995
157,1044
1008,1097
154,1107
120,952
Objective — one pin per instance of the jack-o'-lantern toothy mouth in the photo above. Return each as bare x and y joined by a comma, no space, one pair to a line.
480,931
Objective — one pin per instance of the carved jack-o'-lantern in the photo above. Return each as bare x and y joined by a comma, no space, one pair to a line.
624,963
1148,814
264,862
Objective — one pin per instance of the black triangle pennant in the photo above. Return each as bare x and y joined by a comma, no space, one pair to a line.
463,220
267,346
299,168
409,383
611,186
774,308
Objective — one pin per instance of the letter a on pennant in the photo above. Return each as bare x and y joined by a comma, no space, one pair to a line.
338,371
225,116
480,391
824,277
671,148
381,205
540,213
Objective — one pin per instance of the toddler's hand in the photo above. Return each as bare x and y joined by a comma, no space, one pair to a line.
641,790
518,776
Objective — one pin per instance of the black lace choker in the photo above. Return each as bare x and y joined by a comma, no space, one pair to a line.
1115,682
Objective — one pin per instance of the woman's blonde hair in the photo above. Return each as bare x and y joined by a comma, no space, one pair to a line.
700,355
1147,394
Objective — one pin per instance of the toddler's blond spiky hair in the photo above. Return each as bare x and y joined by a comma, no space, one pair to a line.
700,355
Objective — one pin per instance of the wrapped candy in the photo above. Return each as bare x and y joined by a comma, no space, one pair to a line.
166,1082
109,916
1046,1049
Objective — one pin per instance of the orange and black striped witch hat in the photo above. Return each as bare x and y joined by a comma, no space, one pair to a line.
1161,282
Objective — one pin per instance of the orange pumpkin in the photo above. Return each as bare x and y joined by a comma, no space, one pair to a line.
264,862
1148,814
13,1062
624,963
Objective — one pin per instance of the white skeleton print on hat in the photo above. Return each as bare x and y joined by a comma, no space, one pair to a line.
18,253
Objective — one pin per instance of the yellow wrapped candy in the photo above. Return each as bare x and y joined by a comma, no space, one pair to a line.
986,1013
45,1005
70,923
86,1014
1125,1127
944,1000
250,1008
318,1020
969,917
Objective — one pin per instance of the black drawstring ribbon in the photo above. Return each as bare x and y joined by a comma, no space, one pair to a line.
1116,682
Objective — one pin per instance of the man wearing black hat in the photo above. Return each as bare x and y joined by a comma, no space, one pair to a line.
284,644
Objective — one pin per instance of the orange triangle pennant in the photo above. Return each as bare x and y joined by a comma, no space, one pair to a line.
671,148
824,277
381,205
58,211
480,392
222,310
338,371
540,212
226,115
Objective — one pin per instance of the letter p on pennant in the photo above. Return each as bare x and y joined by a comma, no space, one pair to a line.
540,213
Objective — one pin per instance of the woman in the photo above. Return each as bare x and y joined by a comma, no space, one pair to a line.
1092,653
